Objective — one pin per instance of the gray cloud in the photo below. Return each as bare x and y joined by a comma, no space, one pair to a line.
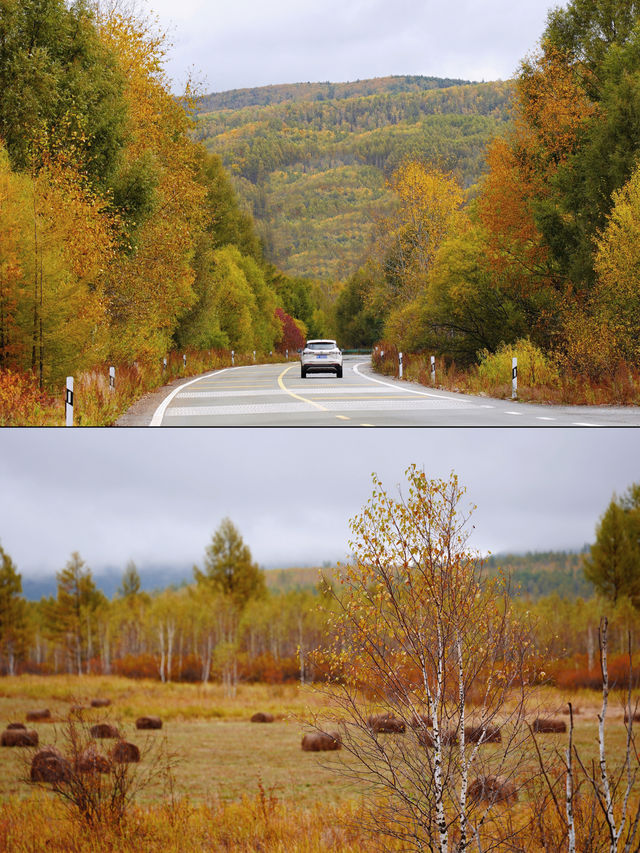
248,43
157,496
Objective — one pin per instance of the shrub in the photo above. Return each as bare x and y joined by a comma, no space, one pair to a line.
534,367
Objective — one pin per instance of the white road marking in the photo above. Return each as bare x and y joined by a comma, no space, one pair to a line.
544,418
513,413
395,387
578,423
347,405
156,420
269,392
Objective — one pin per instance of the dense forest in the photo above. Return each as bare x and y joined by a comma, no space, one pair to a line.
311,160
121,238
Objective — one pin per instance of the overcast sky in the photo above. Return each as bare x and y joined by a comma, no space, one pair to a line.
157,496
248,43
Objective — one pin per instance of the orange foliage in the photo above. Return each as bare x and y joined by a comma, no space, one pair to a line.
22,401
574,673
553,106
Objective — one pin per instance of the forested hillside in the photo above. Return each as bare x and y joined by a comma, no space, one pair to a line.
311,160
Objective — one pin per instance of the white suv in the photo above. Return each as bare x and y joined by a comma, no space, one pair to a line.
321,356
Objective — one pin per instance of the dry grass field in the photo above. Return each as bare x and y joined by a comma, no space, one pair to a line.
251,778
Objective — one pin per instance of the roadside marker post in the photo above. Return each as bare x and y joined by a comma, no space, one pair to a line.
112,378
164,364
68,403
254,355
433,370
287,354
232,358
399,365
514,377
184,360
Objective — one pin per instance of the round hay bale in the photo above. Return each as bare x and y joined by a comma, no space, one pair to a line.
421,721
385,724
49,765
15,726
104,730
19,737
100,702
92,761
488,734
321,741
448,738
148,723
38,715
547,725
125,753
492,789
261,717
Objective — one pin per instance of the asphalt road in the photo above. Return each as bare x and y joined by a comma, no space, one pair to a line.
275,395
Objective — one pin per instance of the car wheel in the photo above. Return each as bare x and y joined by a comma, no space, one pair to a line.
303,373
338,373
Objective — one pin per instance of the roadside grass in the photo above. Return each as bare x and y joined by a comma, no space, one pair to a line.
95,402
619,387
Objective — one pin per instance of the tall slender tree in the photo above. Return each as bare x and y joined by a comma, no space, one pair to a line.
13,618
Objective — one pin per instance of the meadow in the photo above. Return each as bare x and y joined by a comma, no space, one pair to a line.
228,784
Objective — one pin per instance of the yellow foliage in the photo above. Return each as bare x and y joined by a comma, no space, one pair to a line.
428,200
616,297
534,367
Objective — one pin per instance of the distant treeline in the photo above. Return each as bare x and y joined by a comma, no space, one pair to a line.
236,99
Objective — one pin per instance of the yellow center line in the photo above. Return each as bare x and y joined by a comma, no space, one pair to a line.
343,417
297,396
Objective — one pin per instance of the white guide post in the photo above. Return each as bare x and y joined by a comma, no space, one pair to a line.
112,378
514,377
399,365
68,403
433,370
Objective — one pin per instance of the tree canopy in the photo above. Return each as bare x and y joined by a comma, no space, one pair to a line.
229,568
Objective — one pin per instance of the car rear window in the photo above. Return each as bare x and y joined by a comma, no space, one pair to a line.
321,345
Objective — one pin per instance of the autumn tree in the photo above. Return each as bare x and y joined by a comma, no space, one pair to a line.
13,616
427,200
424,641
229,568
616,296
613,564
71,615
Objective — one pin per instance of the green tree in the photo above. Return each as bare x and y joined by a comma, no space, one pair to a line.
613,564
13,616
130,584
357,323
229,568
59,84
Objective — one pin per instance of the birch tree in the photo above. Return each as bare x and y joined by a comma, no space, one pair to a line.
423,641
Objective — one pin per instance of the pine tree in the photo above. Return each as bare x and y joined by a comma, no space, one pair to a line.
13,620
229,568
613,565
